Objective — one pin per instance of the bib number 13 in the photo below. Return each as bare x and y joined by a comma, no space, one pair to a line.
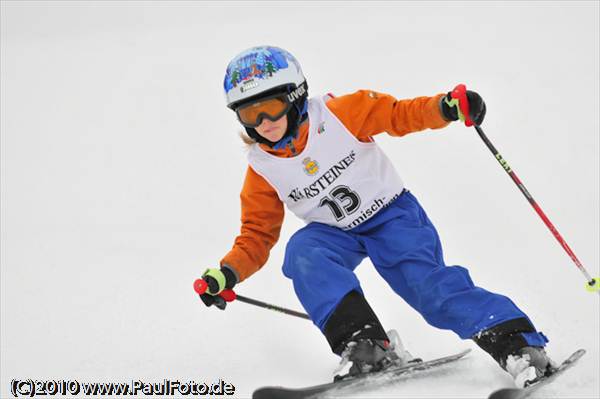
341,201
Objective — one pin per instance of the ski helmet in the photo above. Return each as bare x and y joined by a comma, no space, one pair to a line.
264,71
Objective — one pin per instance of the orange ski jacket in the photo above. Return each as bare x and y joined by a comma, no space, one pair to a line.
365,114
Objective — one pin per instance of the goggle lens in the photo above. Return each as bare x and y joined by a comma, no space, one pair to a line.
251,115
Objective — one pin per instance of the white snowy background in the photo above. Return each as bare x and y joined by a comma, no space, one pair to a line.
121,171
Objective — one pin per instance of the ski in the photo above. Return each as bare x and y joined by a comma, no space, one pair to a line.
521,393
353,384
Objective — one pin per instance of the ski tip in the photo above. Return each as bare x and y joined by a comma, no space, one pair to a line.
576,355
263,393
277,393
506,393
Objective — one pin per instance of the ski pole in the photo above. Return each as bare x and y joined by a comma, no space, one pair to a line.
200,286
272,307
593,284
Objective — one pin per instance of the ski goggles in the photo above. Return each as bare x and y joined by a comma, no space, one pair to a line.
272,107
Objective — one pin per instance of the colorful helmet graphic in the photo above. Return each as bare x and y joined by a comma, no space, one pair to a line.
258,70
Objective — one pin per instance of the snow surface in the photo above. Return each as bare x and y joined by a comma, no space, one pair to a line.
121,171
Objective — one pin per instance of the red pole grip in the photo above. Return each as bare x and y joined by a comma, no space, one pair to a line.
228,295
200,286
460,93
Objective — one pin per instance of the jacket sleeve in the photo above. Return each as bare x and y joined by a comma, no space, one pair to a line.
367,113
262,217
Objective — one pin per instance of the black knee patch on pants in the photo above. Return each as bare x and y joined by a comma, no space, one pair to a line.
504,339
352,319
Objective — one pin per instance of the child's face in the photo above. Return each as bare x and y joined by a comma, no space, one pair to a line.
272,131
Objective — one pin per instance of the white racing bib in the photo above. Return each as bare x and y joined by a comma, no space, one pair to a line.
337,179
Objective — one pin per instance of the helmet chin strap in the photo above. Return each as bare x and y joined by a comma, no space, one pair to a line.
285,140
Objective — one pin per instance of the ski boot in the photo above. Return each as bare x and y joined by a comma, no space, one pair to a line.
354,333
528,365
519,349
366,355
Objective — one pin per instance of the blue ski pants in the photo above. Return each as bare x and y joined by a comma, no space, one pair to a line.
405,249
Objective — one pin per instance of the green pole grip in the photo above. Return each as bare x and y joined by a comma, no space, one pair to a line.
219,278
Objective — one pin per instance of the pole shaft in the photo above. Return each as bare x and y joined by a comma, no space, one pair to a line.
271,307
535,205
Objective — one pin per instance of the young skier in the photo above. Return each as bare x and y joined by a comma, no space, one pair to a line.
317,157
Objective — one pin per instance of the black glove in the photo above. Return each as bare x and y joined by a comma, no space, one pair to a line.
217,280
455,103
